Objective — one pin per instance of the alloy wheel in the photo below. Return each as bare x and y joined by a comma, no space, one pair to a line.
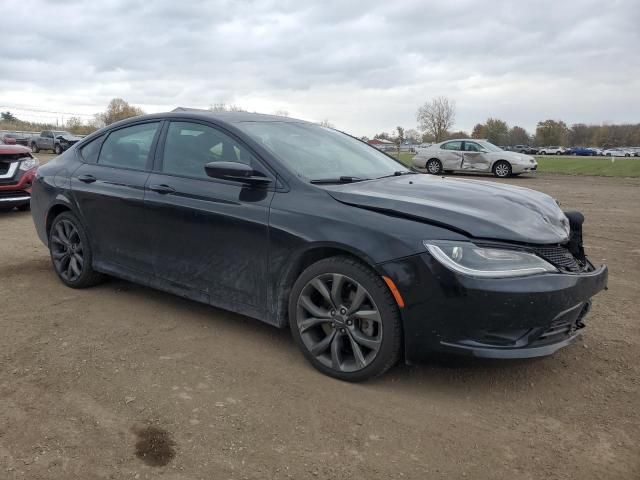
502,170
67,250
339,323
433,167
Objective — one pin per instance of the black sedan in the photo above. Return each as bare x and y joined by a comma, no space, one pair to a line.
303,226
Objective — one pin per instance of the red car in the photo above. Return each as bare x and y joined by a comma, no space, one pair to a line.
17,170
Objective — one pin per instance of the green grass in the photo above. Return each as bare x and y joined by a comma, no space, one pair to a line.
569,165
599,166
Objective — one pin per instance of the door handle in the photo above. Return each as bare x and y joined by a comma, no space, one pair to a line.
163,189
87,178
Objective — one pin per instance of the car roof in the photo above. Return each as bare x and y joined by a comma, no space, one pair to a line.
217,117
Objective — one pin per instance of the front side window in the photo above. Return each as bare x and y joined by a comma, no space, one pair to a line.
190,146
452,146
129,147
472,147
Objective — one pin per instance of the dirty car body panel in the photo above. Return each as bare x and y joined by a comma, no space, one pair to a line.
241,247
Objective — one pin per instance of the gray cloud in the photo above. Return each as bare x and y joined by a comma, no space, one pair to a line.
365,65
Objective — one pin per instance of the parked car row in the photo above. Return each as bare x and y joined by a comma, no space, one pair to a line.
579,151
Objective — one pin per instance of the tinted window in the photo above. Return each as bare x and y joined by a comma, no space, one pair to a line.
190,146
452,146
89,152
129,147
472,147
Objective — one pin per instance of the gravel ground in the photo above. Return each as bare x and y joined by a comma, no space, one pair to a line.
121,381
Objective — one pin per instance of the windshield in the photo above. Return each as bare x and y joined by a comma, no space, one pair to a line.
490,146
314,152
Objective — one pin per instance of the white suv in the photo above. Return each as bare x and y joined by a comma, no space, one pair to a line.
552,151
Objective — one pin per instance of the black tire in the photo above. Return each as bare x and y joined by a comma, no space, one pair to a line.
34,148
434,166
57,149
558,153
502,169
344,328
67,244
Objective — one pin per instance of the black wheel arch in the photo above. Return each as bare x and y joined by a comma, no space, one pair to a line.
302,259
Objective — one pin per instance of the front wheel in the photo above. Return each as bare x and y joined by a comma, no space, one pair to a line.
434,167
502,169
71,253
57,150
345,320
34,148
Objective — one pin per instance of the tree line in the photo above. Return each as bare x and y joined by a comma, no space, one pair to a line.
436,119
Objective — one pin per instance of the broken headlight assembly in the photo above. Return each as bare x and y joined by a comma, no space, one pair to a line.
487,262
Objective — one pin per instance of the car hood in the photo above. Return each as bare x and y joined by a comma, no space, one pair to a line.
479,209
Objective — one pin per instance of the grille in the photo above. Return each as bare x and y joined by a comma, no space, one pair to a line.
4,167
12,193
560,257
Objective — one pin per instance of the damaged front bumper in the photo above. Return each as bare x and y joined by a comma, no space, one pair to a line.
491,318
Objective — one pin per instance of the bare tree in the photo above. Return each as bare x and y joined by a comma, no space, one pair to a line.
326,123
281,113
117,110
436,117
223,107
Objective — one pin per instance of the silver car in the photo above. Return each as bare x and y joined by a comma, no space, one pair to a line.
467,155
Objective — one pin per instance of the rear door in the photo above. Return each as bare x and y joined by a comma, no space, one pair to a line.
476,158
210,235
451,155
109,191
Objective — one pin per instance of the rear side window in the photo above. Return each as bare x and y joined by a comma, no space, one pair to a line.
89,152
452,146
129,147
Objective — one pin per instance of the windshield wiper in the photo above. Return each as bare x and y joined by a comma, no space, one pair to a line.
343,179
398,173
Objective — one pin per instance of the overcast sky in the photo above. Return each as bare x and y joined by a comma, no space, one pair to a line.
364,65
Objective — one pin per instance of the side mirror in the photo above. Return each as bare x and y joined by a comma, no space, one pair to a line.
237,172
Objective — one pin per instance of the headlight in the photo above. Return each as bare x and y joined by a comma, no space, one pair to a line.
28,164
474,261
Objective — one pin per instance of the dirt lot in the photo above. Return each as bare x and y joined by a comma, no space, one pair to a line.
90,379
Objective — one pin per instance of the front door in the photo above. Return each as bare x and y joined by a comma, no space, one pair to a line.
208,235
475,158
109,191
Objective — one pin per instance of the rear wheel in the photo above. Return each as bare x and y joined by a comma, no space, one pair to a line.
71,252
345,320
502,169
434,167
